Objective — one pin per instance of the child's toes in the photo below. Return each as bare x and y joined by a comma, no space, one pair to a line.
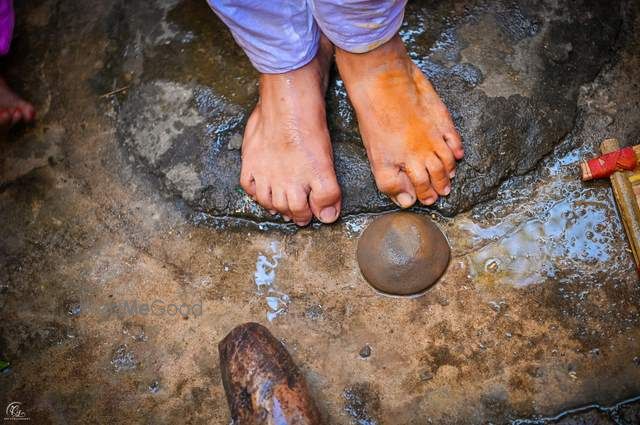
445,154
420,179
280,203
16,116
299,206
5,118
247,182
263,195
453,140
324,200
396,184
438,175
28,112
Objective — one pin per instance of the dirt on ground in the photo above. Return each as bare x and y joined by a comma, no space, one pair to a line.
114,291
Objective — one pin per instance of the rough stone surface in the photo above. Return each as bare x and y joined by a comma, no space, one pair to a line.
537,313
509,72
630,414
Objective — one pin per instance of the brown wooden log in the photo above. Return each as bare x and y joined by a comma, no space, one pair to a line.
626,201
262,383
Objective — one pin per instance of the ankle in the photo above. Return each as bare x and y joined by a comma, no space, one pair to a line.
388,56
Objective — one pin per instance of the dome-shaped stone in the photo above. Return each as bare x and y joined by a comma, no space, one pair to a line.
402,253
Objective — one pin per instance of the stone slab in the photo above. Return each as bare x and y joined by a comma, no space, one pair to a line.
510,72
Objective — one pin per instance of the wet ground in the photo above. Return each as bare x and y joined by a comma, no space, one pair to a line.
114,292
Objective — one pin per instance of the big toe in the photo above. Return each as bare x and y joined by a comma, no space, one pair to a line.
397,185
325,200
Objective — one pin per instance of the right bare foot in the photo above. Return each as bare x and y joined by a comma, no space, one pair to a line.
287,161
411,141
13,108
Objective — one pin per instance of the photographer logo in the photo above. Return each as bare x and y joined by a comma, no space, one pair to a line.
14,412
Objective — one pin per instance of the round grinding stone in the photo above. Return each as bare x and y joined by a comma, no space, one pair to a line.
402,253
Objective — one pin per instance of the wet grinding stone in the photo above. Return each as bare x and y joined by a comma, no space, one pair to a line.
402,253
509,71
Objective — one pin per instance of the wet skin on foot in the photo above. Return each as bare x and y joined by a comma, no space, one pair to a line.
411,141
287,160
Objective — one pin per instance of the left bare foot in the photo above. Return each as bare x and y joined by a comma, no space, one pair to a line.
13,108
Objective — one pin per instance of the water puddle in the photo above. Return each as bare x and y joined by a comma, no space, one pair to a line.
355,225
566,225
264,277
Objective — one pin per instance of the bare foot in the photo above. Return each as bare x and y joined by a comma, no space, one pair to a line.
410,138
287,161
13,108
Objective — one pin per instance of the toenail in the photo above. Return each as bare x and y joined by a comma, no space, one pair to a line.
452,174
272,212
286,218
328,214
405,200
447,190
430,201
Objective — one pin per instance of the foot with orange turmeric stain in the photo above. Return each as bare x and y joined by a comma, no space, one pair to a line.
411,141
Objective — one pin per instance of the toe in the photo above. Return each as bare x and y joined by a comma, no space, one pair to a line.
28,112
438,175
5,118
324,200
420,180
299,206
453,140
396,184
280,202
247,182
263,195
16,116
446,156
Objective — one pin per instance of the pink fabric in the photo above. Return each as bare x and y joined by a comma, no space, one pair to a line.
6,25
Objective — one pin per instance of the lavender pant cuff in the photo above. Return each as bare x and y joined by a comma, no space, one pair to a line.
277,35
351,47
283,35
362,27
272,67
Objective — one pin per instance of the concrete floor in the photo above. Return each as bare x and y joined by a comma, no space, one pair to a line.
537,314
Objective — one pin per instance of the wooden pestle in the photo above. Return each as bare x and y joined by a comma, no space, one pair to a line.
626,201
262,383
